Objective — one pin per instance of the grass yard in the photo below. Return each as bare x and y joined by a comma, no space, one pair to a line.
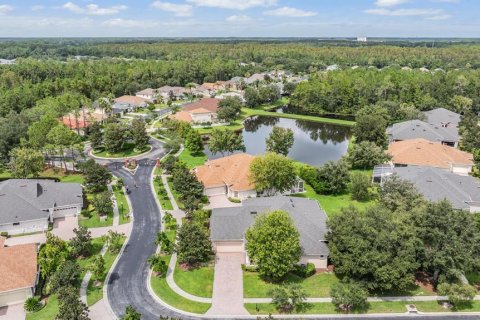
122,203
234,126
191,160
198,282
436,306
276,104
164,292
128,151
176,195
67,177
48,312
161,193
94,220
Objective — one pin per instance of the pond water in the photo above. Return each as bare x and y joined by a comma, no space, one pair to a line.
315,143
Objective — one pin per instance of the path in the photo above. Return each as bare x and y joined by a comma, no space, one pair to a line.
86,279
116,215
176,212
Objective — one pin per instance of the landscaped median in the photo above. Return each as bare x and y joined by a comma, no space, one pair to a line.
128,151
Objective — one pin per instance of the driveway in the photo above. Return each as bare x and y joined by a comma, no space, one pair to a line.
13,312
228,285
220,201
63,227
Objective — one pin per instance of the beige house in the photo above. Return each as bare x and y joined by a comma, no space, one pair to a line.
200,112
18,272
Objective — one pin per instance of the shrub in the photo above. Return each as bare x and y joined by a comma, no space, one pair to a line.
360,186
234,200
305,271
349,296
249,268
458,294
32,304
333,177
288,298
4,234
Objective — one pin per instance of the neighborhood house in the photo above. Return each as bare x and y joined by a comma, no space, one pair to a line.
128,104
147,94
28,205
202,111
416,129
229,225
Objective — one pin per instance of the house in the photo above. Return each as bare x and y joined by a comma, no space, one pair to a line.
82,120
443,118
235,83
436,184
128,104
240,95
420,152
28,205
332,67
18,272
229,225
168,92
202,111
416,129
147,94
230,176
255,77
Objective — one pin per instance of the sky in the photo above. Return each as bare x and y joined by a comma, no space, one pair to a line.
239,18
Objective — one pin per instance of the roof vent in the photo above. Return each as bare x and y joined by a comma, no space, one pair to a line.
253,212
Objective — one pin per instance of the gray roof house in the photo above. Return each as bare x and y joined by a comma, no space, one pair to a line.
416,129
443,118
437,184
27,205
228,225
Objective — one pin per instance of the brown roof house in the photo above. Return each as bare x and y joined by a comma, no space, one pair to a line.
420,152
128,104
230,176
202,111
18,272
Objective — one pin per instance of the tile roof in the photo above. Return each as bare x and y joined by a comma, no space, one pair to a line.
311,221
442,116
415,129
131,100
422,152
18,267
148,91
182,116
439,184
210,104
232,171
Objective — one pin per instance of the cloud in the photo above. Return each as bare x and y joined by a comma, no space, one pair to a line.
5,8
390,3
238,19
429,13
179,10
37,8
234,4
94,9
440,17
290,12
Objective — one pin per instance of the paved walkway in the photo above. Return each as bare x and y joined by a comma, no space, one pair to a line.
63,227
176,212
12,312
228,285
99,311
86,279
116,215
220,201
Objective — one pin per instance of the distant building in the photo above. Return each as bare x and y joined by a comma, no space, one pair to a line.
128,104
147,94
202,111
443,118
333,67
7,61
361,39
417,129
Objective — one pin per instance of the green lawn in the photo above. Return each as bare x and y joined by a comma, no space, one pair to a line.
176,195
67,177
235,125
94,220
435,306
164,292
192,161
48,312
159,190
122,204
274,105
332,204
473,278
128,151
198,282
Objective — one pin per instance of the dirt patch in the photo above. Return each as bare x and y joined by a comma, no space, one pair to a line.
424,281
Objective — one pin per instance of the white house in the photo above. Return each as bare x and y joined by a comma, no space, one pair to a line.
147,94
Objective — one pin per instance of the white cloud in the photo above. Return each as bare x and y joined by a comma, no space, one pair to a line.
290,12
390,3
5,8
406,12
440,17
238,19
179,10
234,4
94,9
38,8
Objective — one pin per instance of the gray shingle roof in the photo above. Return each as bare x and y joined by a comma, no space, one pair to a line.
442,116
311,221
27,199
438,184
415,129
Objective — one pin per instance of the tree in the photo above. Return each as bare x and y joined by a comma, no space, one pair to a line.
376,248
272,173
98,266
185,182
67,274
95,135
157,264
371,128
114,241
139,133
269,93
360,184
252,97
229,108
289,88
113,137
450,241
225,141
168,163
81,244
349,296
193,245
166,246
26,162
61,138
70,306
458,294
32,304
96,176
52,255
366,155
333,177
273,244
280,140
193,142
131,314
13,128
288,297
396,193
103,203
469,131
39,130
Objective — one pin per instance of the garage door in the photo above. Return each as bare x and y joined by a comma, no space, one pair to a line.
13,297
215,191
229,247
65,212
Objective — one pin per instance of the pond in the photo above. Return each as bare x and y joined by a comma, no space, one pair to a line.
315,143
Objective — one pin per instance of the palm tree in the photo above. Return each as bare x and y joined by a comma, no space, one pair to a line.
190,86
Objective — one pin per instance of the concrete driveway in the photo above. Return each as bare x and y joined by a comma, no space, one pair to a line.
63,227
220,201
227,296
13,312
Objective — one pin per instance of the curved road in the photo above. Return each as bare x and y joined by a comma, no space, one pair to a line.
127,284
